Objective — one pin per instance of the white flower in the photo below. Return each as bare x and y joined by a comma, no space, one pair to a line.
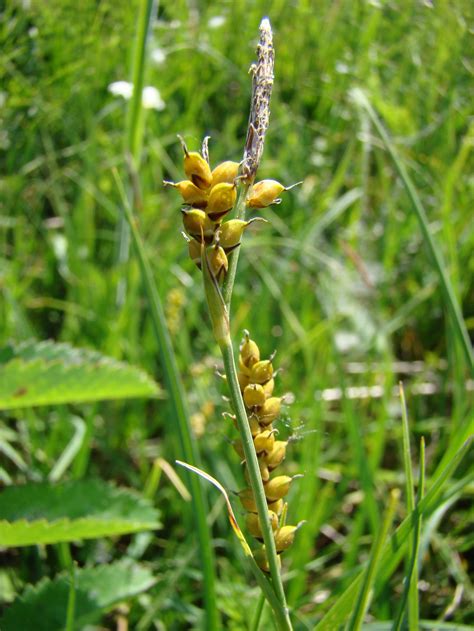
151,99
121,88
216,21
158,56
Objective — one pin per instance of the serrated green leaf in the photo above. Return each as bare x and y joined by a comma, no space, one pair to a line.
46,373
97,589
80,509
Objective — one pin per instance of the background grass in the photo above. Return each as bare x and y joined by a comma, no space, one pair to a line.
339,283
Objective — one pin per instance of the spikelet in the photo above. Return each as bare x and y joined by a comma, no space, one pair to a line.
256,380
225,172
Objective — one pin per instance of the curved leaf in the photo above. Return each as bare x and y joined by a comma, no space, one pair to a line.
46,373
80,509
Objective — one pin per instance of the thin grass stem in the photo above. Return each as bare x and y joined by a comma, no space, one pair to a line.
181,414
258,613
363,600
134,129
228,285
435,252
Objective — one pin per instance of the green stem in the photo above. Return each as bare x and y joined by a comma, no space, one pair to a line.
254,475
365,592
134,128
258,613
452,304
228,285
181,416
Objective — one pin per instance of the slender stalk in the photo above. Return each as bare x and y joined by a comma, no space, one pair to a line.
258,613
134,128
71,599
228,285
450,297
181,416
254,475
365,592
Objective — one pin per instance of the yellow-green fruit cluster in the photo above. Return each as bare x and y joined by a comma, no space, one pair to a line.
208,196
256,379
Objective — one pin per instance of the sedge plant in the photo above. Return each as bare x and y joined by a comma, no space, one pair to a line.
209,197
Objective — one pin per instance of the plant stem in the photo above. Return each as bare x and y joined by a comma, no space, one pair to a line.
258,613
181,416
134,130
254,474
228,285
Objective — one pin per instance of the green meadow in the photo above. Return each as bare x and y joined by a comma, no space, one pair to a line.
361,279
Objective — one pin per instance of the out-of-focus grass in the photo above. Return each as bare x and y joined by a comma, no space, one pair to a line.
339,276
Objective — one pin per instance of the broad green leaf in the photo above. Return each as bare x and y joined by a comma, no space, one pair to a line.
43,607
80,509
46,373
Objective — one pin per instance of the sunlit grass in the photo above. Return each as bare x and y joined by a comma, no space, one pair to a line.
339,277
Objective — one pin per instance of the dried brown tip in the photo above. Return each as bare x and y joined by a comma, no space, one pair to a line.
262,84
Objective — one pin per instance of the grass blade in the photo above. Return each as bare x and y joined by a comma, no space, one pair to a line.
181,414
343,606
134,127
453,307
364,597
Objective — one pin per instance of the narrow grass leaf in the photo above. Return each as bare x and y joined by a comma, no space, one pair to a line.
455,312
364,597
343,606
180,417
71,450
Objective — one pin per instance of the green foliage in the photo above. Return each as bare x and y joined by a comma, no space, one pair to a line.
45,373
339,282
81,509
43,607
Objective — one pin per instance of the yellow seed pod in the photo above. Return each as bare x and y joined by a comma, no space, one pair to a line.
253,424
230,233
243,368
264,471
264,193
268,387
277,506
197,169
284,537
270,410
253,523
249,351
191,194
254,395
221,200
198,225
243,381
276,456
261,371
194,249
247,500
260,557
225,172
264,442
278,487
217,261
